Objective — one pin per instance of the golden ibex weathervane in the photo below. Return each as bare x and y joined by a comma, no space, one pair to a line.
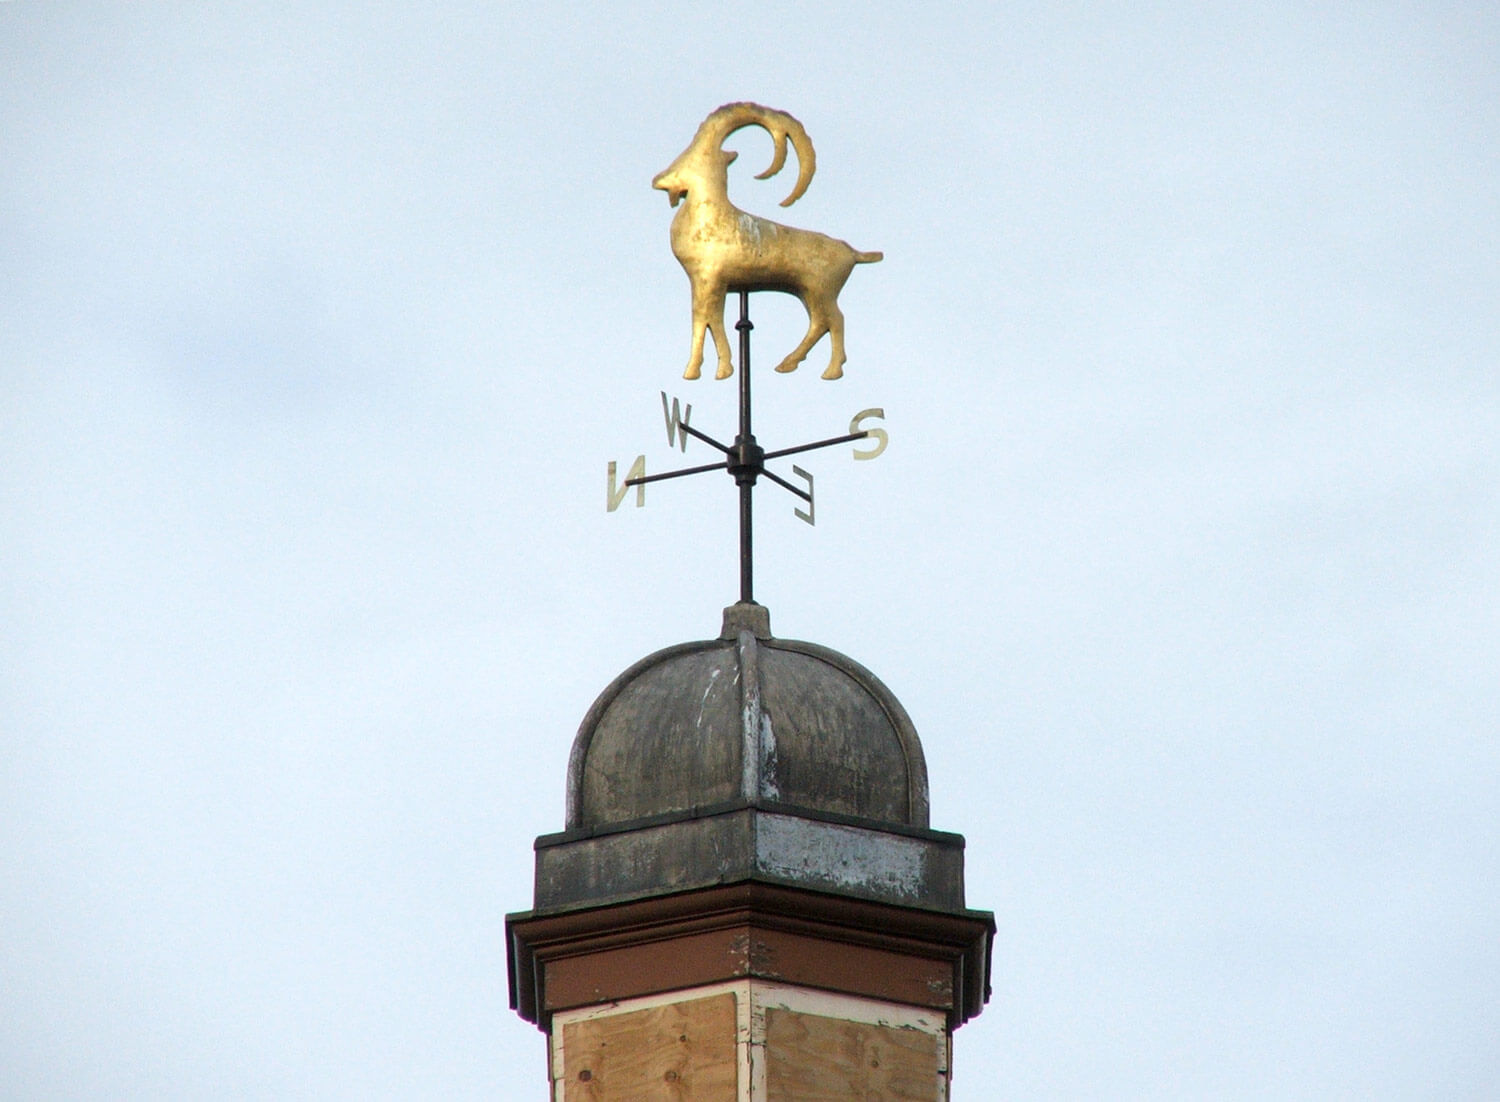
723,249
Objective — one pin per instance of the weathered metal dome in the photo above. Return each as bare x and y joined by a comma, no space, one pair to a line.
746,717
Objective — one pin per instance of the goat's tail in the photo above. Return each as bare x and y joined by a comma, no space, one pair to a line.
868,258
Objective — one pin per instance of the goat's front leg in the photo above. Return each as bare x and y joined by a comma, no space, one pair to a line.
701,319
716,327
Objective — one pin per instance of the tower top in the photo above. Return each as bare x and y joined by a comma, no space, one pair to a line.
746,881
747,717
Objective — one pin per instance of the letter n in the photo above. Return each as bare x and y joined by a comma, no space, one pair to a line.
616,494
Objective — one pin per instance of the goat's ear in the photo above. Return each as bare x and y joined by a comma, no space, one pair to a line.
729,156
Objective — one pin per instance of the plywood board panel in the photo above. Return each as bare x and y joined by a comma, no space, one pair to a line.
810,1058
678,1052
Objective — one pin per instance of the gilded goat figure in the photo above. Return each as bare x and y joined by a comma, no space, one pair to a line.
724,249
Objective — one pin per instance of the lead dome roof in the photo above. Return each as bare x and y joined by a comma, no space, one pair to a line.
746,717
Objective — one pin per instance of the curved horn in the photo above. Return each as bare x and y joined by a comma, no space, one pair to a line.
781,126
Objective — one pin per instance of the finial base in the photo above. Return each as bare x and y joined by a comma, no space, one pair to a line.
746,616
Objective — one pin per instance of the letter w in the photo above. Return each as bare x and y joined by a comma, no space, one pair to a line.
677,419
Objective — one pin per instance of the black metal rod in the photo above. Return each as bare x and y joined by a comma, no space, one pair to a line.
743,326
707,439
819,444
776,478
645,478
744,443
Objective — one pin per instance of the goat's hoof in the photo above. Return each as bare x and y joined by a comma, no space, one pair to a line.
725,370
691,372
835,371
787,365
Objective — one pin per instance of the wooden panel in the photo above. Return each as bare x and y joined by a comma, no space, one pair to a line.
810,1058
679,1052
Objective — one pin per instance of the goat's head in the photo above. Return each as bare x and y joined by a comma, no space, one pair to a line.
704,164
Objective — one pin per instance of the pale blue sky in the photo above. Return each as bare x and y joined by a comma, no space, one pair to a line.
319,323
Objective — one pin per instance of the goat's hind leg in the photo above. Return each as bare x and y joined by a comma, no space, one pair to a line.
817,325
836,363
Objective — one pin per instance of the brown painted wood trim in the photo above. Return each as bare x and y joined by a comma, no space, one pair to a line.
931,959
696,960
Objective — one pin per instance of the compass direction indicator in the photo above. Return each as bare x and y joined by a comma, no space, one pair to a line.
744,459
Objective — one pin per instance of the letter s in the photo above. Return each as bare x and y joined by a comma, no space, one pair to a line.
878,434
